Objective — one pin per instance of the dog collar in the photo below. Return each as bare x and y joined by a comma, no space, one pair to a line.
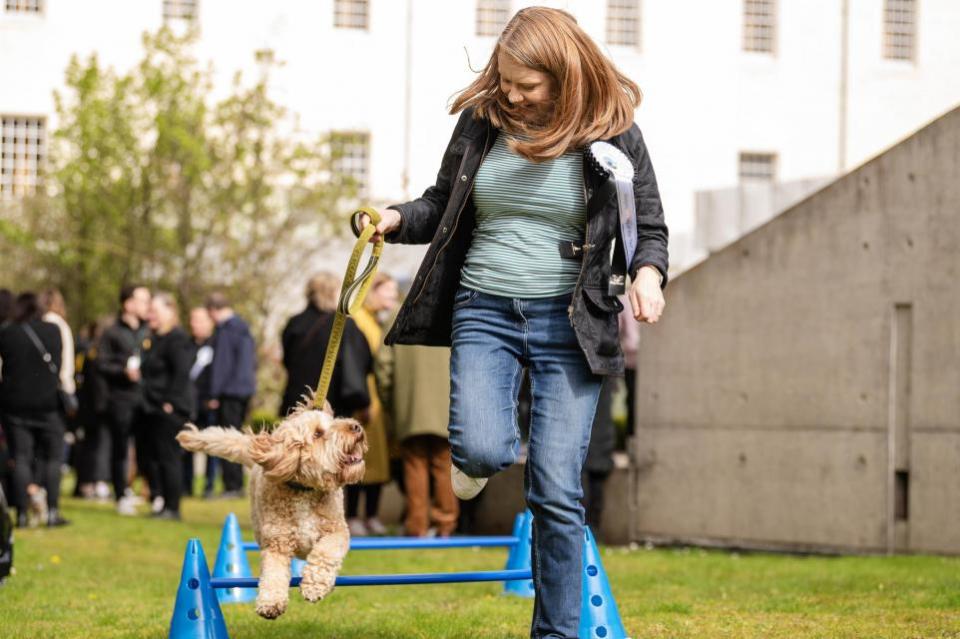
300,488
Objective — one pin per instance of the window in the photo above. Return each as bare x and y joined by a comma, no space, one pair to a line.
623,22
492,16
899,29
180,10
351,157
24,6
22,153
759,25
758,167
351,14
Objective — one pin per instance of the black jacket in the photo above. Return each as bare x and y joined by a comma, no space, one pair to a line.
117,344
201,374
166,373
92,388
233,372
305,340
28,386
444,217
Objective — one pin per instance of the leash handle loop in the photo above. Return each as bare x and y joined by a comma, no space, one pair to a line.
355,288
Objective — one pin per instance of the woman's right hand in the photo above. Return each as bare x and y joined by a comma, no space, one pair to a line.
389,222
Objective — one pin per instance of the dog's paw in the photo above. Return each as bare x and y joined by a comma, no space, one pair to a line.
271,609
315,587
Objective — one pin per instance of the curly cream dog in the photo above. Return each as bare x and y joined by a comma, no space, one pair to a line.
298,471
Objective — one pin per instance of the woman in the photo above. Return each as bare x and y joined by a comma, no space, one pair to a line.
167,355
55,312
519,272
381,298
202,327
30,351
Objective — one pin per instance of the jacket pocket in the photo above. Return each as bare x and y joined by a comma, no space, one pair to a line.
603,328
598,298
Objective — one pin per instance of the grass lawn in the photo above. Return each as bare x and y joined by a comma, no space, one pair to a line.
107,576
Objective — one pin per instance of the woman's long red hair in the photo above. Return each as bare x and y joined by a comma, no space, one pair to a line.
594,100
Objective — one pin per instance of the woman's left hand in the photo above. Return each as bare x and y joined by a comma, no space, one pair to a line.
646,297
167,408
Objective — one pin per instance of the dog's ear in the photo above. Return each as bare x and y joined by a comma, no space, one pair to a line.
279,456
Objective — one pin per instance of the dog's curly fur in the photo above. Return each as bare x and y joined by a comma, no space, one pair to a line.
296,494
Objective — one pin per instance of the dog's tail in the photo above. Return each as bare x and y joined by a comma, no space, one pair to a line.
228,443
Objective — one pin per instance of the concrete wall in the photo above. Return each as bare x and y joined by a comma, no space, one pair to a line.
724,215
796,371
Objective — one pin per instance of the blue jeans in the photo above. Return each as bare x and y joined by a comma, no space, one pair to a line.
493,339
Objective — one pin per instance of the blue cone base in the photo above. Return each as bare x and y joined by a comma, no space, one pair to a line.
520,556
196,612
232,562
599,617
296,567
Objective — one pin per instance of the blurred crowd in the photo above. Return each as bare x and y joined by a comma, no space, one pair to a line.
109,402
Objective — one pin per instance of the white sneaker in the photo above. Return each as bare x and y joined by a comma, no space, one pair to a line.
37,509
376,527
101,491
156,505
126,506
357,527
464,486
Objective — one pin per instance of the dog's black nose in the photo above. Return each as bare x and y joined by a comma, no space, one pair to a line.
356,428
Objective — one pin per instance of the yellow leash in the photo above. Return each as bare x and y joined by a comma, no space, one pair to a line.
352,287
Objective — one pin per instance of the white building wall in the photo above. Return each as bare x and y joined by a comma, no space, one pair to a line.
705,99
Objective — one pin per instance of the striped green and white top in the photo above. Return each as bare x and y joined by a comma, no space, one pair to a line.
524,211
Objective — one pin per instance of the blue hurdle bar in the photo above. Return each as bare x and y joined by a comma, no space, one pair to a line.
401,543
391,580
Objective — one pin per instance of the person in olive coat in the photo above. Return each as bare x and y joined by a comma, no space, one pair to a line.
414,386
167,396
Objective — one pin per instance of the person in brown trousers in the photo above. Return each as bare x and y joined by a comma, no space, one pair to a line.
414,387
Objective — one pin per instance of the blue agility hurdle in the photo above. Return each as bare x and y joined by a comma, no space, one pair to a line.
391,580
197,614
232,562
406,543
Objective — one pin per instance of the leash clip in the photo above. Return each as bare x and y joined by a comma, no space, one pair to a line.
573,251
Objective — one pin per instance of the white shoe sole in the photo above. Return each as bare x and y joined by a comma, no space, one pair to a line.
464,486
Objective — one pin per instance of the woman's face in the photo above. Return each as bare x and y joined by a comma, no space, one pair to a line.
529,90
386,296
201,324
161,317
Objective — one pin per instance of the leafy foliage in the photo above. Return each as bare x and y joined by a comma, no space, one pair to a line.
153,181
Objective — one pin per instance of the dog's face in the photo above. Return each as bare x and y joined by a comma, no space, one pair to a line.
312,448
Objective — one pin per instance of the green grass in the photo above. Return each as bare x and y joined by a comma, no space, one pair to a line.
107,576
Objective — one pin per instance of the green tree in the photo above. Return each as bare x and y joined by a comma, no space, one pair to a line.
151,180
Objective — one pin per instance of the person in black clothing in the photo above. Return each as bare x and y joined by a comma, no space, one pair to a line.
201,330
233,378
305,340
167,396
92,450
7,299
119,364
30,350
